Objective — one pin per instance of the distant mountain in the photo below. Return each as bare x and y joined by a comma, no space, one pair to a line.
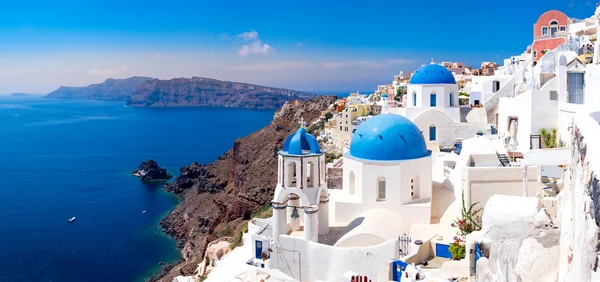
110,89
198,91
19,94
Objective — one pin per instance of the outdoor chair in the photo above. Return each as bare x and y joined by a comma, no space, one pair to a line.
504,160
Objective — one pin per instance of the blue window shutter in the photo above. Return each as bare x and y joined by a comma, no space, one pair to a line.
432,132
432,100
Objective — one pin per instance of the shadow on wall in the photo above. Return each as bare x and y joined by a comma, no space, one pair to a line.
595,116
441,199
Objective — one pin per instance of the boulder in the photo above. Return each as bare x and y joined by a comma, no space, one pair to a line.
151,172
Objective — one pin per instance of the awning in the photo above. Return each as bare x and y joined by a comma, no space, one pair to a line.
546,157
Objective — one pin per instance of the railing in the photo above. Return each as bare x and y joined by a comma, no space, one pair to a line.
550,36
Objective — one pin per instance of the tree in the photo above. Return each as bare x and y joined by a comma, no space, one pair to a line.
328,116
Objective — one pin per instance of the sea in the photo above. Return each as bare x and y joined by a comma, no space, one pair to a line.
73,158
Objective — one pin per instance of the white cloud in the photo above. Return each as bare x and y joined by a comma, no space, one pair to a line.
273,66
97,71
249,35
254,45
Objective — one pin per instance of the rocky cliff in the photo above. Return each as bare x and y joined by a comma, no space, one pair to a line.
217,197
150,171
197,91
110,89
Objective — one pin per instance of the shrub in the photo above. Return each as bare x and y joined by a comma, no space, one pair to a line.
227,231
470,219
328,116
264,211
330,157
457,249
237,239
550,138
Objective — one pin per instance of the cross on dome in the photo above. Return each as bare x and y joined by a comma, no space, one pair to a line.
432,61
302,122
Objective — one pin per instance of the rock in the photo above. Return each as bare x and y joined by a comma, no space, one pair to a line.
542,219
208,92
110,89
151,172
224,193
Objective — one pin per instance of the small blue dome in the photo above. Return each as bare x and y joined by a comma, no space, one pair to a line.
432,74
388,137
301,143
384,96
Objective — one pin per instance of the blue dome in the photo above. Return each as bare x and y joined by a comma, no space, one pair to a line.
384,96
432,74
301,143
388,137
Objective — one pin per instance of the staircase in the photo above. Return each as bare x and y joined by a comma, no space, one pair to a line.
508,90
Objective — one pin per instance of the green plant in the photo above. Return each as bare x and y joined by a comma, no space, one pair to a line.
330,157
264,211
328,116
227,231
470,219
462,93
457,249
550,138
237,239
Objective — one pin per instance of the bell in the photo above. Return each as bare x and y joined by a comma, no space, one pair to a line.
295,213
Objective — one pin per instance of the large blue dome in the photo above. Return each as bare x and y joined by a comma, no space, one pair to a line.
301,143
388,137
432,74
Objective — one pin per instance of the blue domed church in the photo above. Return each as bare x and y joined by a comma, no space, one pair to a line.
432,103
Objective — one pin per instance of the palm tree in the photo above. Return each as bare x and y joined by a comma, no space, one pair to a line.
550,138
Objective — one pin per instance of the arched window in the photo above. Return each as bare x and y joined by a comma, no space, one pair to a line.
414,188
432,99
432,133
414,99
352,183
553,27
291,174
380,188
310,176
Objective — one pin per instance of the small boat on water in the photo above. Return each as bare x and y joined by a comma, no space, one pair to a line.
71,219
144,212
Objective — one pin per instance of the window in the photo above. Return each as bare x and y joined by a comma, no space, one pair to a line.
414,188
544,30
340,128
310,179
451,100
432,100
291,174
381,188
414,99
563,28
432,133
553,28
534,54
352,182
575,84
495,86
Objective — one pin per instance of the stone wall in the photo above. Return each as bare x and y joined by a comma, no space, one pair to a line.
334,177
579,208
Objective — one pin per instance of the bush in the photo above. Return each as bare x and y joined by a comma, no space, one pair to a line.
330,157
264,211
328,116
470,219
227,231
237,239
457,249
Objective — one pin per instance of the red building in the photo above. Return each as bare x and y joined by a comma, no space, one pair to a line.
544,32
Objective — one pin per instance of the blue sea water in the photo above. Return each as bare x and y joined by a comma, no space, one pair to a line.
65,158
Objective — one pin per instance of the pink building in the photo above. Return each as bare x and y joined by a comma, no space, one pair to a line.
545,32
457,67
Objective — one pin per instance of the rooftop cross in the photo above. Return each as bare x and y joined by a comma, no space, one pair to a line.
432,61
302,123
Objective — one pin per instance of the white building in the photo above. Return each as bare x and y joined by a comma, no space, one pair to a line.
432,104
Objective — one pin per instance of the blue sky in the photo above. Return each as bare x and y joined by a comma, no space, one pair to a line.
306,45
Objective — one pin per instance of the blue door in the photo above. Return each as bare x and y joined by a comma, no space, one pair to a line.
259,249
575,87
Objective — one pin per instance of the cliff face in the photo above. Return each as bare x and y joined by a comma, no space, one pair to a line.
110,89
197,91
222,194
